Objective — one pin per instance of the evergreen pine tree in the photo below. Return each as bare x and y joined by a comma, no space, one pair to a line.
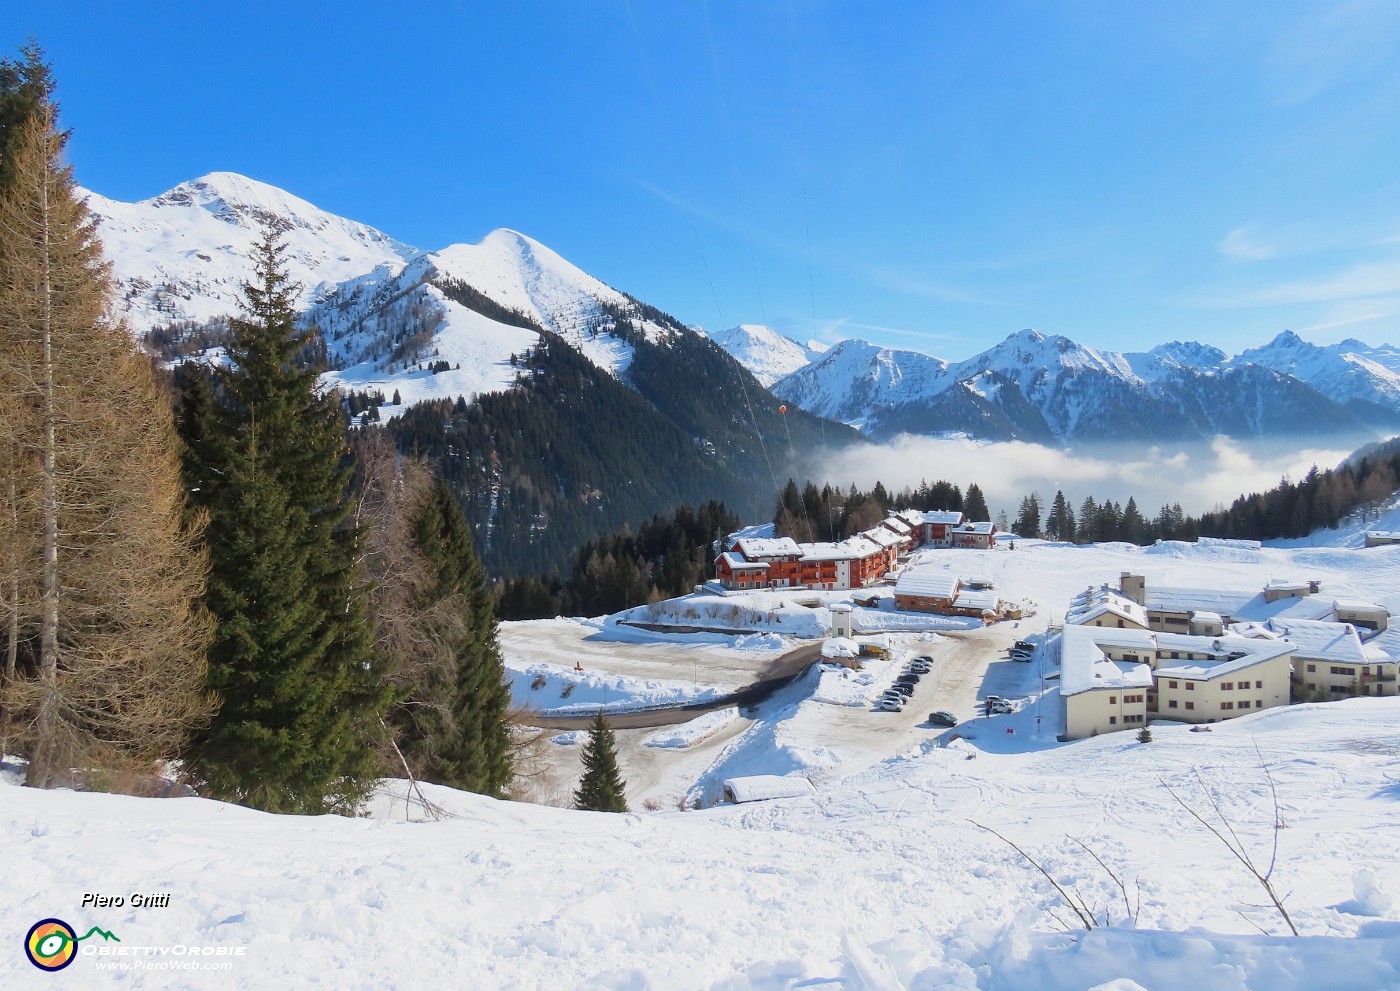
303,700
601,789
1028,518
26,88
974,505
476,754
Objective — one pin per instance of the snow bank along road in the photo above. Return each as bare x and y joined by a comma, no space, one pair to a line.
776,675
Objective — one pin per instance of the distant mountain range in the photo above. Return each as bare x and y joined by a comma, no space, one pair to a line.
1053,390
558,406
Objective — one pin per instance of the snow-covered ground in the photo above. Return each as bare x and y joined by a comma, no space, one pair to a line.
884,879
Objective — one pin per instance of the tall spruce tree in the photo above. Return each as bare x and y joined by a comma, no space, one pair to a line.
975,505
103,646
303,699
601,789
476,753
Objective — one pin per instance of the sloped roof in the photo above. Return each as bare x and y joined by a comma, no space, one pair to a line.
929,583
737,563
850,549
1333,642
947,517
760,547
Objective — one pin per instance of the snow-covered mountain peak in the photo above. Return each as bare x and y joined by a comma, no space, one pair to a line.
763,351
183,255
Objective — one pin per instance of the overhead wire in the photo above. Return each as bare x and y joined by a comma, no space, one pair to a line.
699,245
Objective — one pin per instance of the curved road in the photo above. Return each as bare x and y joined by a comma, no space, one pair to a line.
770,679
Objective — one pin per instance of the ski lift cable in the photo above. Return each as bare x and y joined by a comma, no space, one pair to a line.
738,177
704,262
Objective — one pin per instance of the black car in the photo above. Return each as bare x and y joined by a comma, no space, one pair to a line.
942,719
1023,645
907,679
905,690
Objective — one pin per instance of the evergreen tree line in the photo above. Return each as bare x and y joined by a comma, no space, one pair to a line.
667,557
233,587
1321,499
828,514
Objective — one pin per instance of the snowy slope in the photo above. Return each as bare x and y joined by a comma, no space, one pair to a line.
885,879
882,883
182,255
853,379
766,353
1342,372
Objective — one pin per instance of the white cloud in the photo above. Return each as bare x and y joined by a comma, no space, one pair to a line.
1199,476
1239,244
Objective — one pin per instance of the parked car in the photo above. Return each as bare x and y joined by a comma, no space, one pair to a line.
1023,645
889,705
891,693
909,678
942,719
905,690
1021,655
920,667
924,658
1000,707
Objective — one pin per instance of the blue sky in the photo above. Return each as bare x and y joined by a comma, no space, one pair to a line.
933,175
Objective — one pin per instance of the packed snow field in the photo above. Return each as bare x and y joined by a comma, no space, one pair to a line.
883,879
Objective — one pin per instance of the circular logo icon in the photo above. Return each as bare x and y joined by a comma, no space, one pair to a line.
51,944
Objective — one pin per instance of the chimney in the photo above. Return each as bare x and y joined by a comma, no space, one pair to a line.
1134,587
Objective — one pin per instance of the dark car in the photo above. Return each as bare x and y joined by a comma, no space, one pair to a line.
924,658
942,719
905,690
1023,645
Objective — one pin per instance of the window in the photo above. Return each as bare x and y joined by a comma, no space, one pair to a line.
1244,704
1132,719
1113,700
1190,705
1171,703
1227,705
1312,668
1190,686
1258,684
1113,720
1132,698
1227,686
1345,671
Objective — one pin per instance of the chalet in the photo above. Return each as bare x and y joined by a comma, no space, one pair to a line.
892,544
853,563
1114,679
981,536
937,525
923,591
1382,538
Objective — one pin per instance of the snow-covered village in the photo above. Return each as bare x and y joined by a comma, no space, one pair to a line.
732,497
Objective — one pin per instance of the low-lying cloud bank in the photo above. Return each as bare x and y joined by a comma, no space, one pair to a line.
1200,477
